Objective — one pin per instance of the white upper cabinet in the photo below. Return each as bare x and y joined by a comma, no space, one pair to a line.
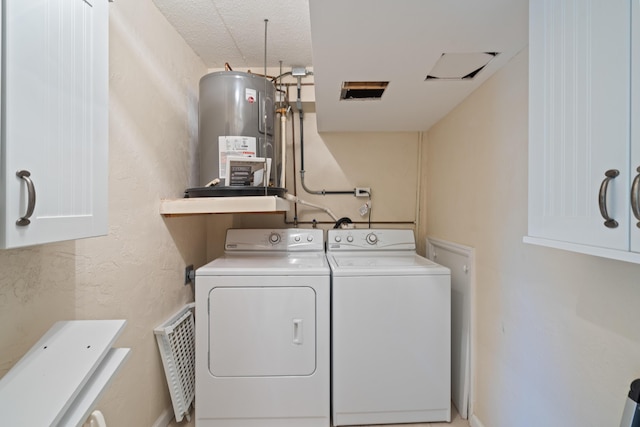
580,125
54,120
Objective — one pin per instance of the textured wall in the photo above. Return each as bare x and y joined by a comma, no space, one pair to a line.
557,337
136,272
388,163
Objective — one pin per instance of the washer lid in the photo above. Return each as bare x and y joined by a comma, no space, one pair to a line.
267,264
383,263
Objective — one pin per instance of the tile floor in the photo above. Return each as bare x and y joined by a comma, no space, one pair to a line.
456,421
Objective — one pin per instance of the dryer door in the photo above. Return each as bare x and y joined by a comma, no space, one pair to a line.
262,331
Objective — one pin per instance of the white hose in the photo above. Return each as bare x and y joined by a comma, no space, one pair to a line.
96,419
293,198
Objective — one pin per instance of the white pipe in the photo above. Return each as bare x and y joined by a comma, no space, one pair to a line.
283,138
293,198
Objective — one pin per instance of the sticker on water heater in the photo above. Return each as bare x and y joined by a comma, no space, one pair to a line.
250,95
244,146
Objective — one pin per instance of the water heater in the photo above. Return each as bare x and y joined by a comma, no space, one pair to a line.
236,122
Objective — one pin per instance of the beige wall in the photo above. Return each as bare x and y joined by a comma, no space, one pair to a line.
557,336
388,163
136,272
556,332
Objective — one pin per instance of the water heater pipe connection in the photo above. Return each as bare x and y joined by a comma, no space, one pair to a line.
299,73
295,199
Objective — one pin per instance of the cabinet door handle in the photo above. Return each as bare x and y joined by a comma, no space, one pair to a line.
635,197
602,198
31,203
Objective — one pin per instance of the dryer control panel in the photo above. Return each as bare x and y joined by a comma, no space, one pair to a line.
370,240
268,239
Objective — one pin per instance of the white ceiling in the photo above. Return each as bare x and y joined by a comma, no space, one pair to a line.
398,41
232,31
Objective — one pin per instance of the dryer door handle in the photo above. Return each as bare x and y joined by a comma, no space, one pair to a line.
298,336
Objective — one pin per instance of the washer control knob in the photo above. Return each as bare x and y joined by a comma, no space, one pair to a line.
274,238
372,239
349,239
297,238
309,238
338,239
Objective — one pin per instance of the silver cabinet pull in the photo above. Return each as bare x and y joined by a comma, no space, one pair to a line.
602,198
635,197
31,204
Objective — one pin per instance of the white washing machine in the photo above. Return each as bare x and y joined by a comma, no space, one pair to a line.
391,330
262,332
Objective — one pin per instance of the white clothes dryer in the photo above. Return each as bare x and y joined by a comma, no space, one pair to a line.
391,330
262,332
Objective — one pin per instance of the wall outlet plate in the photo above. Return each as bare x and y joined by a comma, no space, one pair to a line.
362,192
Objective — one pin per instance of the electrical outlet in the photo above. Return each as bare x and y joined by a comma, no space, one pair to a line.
189,274
362,192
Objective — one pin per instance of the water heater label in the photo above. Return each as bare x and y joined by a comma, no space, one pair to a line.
242,146
250,95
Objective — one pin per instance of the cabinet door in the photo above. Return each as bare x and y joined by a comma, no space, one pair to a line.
54,119
635,123
579,120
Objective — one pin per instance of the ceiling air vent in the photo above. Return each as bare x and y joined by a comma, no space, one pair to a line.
460,66
362,90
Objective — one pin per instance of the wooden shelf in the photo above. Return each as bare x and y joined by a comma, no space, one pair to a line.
211,205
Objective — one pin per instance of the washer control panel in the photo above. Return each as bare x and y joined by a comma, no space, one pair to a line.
370,240
285,239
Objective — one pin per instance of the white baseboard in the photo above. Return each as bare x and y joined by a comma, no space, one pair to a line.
164,419
475,422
